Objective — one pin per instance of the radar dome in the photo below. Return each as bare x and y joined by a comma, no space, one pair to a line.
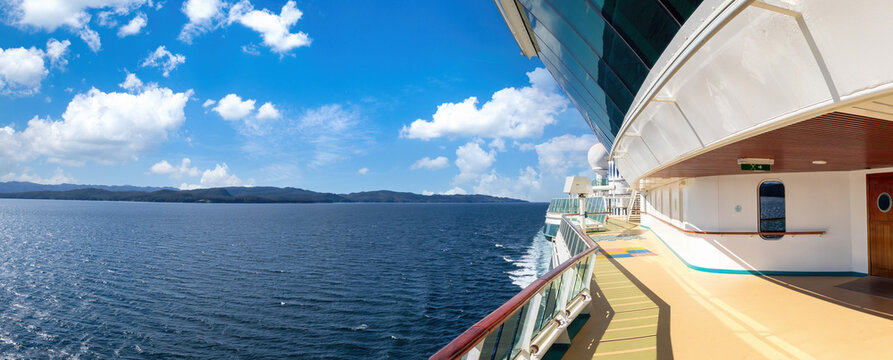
598,157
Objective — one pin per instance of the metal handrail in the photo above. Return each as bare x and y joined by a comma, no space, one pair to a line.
738,232
478,333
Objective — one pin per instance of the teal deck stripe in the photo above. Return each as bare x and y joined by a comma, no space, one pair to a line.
755,272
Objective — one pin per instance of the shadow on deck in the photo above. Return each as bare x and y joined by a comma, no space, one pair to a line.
630,321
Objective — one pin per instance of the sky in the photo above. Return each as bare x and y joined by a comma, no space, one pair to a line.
332,95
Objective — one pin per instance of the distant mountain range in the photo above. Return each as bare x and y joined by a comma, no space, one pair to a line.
260,194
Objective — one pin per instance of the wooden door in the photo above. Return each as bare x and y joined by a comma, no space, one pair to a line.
880,224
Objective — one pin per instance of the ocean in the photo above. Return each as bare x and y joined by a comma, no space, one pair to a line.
81,279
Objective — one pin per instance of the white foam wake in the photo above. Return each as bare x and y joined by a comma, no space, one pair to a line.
534,263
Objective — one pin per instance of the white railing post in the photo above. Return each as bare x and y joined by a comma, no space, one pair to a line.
529,322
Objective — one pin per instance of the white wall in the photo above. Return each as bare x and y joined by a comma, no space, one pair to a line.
833,202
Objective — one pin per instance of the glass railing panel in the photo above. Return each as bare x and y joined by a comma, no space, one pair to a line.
507,336
522,321
490,345
542,315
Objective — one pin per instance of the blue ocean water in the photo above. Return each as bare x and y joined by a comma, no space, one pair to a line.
209,281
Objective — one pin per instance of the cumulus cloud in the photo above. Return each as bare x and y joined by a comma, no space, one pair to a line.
455,191
217,177
274,29
510,113
524,186
439,162
363,171
472,161
22,70
101,127
74,15
56,52
59,177
208,103
134,26
164,59
185,169
564,152
232,107
131,83
203,16
268,112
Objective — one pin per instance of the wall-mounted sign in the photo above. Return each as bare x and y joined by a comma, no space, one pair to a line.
755,164
756,167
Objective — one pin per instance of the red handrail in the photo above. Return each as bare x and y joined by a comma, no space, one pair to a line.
739,232
479,331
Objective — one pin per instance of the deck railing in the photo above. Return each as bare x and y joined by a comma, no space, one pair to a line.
530,322
564,206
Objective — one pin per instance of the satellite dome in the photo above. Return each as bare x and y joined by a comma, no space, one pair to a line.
598,157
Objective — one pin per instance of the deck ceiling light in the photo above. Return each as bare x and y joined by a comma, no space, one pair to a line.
819,162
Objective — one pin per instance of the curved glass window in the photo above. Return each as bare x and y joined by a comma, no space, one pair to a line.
600,51
772,212
884,202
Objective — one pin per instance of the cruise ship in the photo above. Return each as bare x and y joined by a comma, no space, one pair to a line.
741,195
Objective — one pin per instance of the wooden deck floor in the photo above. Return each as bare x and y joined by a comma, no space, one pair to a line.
653,306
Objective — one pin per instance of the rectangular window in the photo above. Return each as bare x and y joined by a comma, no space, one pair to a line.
772,209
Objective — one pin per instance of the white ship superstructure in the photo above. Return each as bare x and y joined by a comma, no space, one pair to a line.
753,139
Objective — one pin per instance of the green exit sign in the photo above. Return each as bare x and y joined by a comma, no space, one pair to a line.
755,167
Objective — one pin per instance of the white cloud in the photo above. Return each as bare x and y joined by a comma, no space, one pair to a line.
511,113
231,107
455,191
524,186
268,112
209,102
164,59
274,29
472,161
185,169
439,162
22,70
59,177
331,131
497,144
134,26
363,171
217,177
90,37
49,15
131,83
564,152
101,127
203,15
56,51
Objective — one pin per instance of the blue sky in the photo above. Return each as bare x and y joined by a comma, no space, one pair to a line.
336,96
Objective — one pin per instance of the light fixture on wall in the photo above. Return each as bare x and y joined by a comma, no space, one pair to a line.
819,162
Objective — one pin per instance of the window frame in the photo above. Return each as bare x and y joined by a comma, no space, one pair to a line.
760,210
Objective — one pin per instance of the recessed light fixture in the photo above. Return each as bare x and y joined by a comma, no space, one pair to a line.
819,162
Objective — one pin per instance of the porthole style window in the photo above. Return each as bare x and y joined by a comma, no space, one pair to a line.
772,209
884,202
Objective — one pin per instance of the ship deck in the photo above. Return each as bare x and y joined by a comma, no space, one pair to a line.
647,303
